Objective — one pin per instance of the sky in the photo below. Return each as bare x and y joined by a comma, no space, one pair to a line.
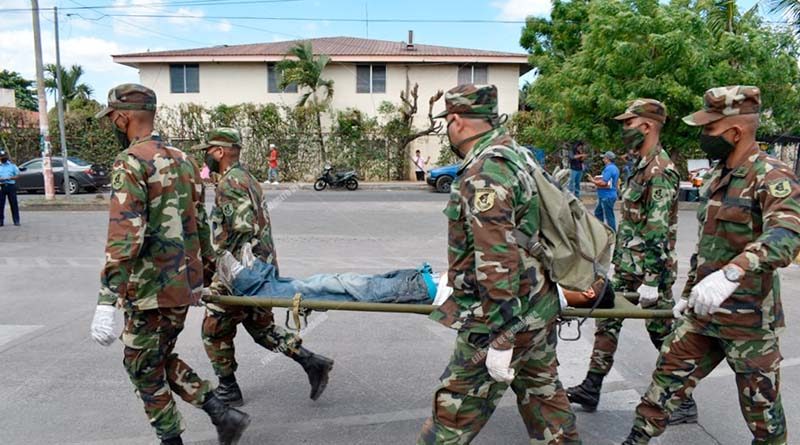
90,36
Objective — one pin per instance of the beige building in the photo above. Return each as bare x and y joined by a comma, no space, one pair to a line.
365,73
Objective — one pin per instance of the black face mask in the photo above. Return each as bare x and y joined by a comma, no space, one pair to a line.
212,163
716,147
632,139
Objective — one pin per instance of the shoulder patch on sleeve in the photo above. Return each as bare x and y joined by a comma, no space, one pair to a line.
658,194
227,209
118,179
484,199
780,188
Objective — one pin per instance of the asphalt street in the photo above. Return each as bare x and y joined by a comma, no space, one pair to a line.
58,387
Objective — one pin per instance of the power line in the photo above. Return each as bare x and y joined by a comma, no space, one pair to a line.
323,19
165,4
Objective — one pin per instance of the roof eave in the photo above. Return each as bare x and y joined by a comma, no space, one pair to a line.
136,60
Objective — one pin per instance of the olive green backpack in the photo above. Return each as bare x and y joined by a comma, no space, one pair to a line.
572,244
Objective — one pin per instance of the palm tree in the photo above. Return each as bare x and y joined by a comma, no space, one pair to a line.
305,71
724,16
789,9
71,86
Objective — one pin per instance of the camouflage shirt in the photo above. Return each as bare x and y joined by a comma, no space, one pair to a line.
240,216
158,236
749,217
498,286
645,249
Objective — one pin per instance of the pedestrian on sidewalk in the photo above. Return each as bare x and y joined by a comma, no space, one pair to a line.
272,176
576,157
8,187
419,165
606,185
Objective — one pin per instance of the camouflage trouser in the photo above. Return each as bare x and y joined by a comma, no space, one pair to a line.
606,336
149,338
468,395
219,329
688,356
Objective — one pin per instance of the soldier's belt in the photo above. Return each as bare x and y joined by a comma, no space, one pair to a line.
623,302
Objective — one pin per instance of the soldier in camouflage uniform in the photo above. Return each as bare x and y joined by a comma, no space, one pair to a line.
158,243
239,217
749,227
644,257
504,306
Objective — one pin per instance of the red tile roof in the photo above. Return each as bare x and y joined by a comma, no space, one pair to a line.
332,46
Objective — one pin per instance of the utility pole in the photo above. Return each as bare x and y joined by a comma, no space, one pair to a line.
60,104
44,137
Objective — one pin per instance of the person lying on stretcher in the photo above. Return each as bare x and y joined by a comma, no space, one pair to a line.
253,277
256,278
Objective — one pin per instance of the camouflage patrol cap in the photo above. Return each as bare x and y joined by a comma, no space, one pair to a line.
643,107
722,102
470,100
221,137
129,96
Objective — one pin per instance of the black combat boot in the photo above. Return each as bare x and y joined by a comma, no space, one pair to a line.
637,437
172,441
230,422
228,391
686,413
317,367
587,394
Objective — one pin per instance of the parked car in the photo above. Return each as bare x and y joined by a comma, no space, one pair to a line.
83,176
440,178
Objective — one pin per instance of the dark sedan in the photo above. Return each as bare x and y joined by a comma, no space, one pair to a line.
83,176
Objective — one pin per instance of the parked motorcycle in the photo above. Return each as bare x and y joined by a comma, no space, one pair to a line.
346,179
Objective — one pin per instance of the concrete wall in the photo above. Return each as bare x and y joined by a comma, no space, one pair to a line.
234,83
7,98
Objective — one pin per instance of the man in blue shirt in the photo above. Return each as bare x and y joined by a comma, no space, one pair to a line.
607,191
8,187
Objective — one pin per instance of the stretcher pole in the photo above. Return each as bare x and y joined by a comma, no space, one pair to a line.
625,309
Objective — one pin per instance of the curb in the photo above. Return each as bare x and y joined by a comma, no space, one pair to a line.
366,186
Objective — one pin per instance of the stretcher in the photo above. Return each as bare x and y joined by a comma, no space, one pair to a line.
624,307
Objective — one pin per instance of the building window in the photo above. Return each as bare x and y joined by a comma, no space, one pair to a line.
184,78
370,78
473,74
274,78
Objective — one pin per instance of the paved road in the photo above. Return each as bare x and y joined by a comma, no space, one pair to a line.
60,388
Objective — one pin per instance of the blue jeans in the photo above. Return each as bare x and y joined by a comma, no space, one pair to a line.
575,182
605,212
272,175
399,286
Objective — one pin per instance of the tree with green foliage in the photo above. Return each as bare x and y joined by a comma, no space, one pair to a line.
670,52
552,40
24,89
305,71
72,88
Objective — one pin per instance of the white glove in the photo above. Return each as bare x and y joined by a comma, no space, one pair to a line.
710,292
443,291
562,300
228,268
103,324
248,259
648,295
680,307
498,362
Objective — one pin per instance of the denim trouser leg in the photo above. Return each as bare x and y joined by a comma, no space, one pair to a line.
575,182
605,212
401,286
